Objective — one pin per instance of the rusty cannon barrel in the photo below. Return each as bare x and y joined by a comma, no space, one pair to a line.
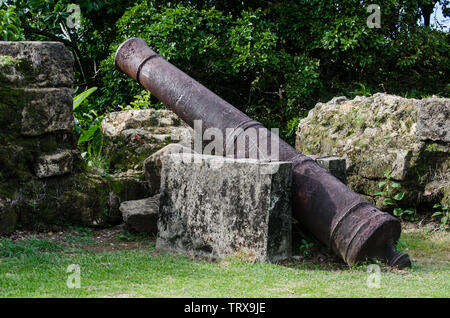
350,225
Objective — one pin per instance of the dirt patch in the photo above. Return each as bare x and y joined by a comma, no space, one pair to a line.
96,240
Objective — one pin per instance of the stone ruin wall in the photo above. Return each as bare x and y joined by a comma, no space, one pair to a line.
43,181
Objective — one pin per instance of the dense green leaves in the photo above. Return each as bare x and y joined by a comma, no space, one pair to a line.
276,60
238,57
10,29
272,59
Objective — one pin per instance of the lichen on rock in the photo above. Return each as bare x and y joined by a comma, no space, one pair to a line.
43,178
153,165
129,137
377,135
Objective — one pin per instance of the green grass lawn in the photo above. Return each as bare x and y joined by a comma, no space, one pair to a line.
37,268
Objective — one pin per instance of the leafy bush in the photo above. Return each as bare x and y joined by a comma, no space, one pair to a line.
87,123
386,187
238,58
10,29
443,213
274,61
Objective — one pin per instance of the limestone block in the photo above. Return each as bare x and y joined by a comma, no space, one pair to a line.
385,137
214,206
132,136
335,165
153,165
434,120
47,110
49,64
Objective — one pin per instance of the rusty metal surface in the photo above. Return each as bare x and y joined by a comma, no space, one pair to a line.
327,208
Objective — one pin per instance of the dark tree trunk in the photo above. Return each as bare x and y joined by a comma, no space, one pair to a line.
427,10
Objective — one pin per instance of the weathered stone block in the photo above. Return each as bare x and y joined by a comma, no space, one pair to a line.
37,148
215,206
54,165
153,165
132,136
47,111
335,165
49,64
15,72
434,120
378,137
94,199
141,215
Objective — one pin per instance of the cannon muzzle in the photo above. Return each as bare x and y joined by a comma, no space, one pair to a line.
322,204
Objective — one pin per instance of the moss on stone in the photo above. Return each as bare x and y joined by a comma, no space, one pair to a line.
48,145
381,128
16,72
11,105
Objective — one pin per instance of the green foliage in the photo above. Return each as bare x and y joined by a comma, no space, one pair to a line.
386,188
87,123
237,57
81,97
10,29
88,135
442,212
276,60
306,247
272,60
400,246
362,90
142,101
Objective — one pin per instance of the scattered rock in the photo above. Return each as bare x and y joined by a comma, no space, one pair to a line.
141,215
94,199
334,165
132,136
213,206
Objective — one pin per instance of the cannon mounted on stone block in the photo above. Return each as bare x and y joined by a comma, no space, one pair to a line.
321,203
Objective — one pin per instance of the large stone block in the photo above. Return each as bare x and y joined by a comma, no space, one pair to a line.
47,110
38,64
385,137
132,136
214,206
434,120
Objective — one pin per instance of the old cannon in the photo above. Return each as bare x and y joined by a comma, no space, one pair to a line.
334,214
